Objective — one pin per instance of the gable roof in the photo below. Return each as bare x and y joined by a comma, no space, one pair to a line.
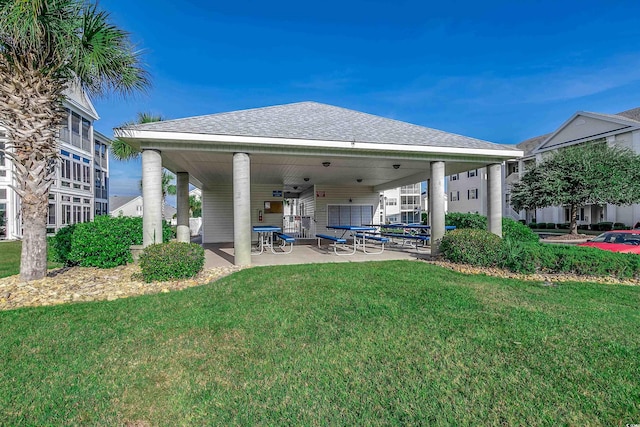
116,202
628,118
316,121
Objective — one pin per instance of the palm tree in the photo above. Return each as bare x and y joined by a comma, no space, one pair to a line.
168,188
45,47
123,151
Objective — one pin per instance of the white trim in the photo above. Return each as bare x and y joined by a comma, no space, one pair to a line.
150,136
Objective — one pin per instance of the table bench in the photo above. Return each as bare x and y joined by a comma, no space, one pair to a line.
285,239
366,237
335,241
412,239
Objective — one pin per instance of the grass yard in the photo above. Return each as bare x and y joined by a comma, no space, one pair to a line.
380,343
10,258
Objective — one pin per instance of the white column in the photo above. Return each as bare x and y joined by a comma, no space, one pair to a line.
151,197
436,195
494,199
183,234
241,209
429,205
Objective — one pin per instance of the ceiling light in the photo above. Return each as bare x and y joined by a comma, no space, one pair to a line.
396,166
306,179
359,180
295,187
326,164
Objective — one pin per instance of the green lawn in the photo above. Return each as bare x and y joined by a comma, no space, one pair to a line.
10,258
381,343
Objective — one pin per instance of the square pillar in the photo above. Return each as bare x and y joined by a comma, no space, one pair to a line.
436,197
494,199
241,209
183,233
151,197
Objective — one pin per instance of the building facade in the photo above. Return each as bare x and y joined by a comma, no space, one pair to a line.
81,187
622,129
402,204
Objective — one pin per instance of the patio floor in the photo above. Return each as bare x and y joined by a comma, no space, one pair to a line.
306,252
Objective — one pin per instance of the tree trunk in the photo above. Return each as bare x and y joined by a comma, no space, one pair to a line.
33,260
31,111
573,213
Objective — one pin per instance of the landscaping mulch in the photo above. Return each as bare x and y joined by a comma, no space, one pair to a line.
81,284
546,278
77,284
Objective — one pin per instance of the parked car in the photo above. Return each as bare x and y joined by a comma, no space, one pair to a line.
627,241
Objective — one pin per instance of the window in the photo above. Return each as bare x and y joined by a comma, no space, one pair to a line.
75,123
455,177
349,214
2,161
392,201
51,217
472,194
472,173
3,193
86,214
66,214
66,168
455,196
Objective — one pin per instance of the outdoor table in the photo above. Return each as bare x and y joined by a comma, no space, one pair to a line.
352,229
265,237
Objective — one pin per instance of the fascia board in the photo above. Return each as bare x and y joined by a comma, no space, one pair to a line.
133,135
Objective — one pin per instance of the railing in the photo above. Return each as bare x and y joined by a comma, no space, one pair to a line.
299,226
512,213
512,177
409,207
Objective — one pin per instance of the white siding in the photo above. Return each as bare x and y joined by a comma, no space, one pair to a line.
217,214
217,211
359,195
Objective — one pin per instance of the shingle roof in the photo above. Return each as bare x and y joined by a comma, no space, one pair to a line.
633,114
315,121
115,202
532,143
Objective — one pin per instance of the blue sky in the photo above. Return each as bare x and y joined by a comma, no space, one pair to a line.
503,71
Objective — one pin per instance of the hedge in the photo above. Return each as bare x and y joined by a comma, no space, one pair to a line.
481,248
173,260
104,242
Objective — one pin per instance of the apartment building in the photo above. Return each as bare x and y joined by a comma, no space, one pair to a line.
81,187
467,191
402,204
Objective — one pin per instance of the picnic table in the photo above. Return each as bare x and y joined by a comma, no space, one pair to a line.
267,234
357,232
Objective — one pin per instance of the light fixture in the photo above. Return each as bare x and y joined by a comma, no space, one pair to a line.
359,180
306,179
295,187
326,164
396,166
350,200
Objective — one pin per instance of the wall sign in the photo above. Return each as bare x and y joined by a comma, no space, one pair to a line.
277,193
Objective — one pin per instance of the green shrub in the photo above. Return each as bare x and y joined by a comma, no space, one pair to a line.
466,220
515,230
60,245
510,229
105,242
602,226
589,261
564,226
171,260
520,256
533,225
551,226
471,246
620,226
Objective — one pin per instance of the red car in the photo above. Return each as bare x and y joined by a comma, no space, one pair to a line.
627,241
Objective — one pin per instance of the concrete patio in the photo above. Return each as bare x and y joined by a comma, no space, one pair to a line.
306,252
